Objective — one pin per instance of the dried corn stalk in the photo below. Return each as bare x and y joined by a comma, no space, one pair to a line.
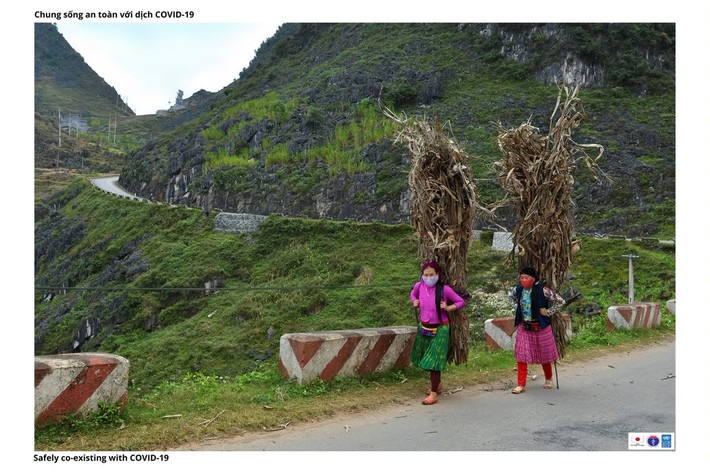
559,330
536,173
443,211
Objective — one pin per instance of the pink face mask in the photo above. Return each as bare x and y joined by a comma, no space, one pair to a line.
527,283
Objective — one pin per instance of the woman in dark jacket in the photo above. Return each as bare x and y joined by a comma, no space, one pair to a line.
534,340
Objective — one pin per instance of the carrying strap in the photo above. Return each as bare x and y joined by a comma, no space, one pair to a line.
439,298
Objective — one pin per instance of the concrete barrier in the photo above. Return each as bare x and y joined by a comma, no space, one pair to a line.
500,332
309,356
630,316
77,384
670,305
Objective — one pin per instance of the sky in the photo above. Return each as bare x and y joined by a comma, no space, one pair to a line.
147,63
134,70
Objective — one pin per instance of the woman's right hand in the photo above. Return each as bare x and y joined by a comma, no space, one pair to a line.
415,303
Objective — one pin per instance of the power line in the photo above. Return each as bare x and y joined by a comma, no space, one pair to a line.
212,289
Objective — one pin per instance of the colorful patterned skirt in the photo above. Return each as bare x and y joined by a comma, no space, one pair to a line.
430,353
535,347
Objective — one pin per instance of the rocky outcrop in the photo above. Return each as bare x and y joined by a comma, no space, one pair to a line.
342,74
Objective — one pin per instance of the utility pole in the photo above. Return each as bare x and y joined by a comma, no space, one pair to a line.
631,276
115,124
59,112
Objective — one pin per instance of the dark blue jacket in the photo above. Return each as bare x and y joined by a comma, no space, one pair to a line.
537,302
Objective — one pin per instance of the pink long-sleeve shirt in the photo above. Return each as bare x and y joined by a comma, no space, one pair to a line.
427,302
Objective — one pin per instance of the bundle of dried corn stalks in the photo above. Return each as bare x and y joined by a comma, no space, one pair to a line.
536,173
559,330
443,211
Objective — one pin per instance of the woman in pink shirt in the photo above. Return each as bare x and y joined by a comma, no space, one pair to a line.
431,345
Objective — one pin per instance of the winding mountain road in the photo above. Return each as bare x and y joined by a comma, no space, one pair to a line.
110,185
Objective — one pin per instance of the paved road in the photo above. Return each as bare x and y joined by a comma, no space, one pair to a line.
110,184
599,402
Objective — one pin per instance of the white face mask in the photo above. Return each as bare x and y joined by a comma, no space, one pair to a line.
430,281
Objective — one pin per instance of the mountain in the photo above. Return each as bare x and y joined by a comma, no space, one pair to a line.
98,128
301,131
64,80
71,97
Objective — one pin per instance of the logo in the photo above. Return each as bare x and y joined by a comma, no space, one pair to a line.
651,441
666,441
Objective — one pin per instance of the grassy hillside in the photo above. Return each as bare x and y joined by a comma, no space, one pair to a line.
143,269
286,142
139,269
305,122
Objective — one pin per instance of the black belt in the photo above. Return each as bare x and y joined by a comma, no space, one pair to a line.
531,326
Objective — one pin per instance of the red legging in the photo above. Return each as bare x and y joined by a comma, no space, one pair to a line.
435,380
523,372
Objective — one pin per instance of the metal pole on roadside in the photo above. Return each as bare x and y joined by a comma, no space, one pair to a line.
631,276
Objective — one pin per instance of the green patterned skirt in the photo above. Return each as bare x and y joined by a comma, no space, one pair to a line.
430,353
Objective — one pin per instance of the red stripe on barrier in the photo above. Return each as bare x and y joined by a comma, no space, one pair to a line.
123,400
506,324
41,370
376,353
491,343
644,316
333,367
305,349
283,369
625,313
76,394
404,359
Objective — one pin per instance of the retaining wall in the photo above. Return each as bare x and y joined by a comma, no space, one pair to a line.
502,241
226,222
77,384
500,332
309,356
637,315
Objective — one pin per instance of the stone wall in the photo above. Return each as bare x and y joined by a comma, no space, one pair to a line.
237,223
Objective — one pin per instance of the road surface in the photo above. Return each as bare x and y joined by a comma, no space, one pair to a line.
599,402
110,184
